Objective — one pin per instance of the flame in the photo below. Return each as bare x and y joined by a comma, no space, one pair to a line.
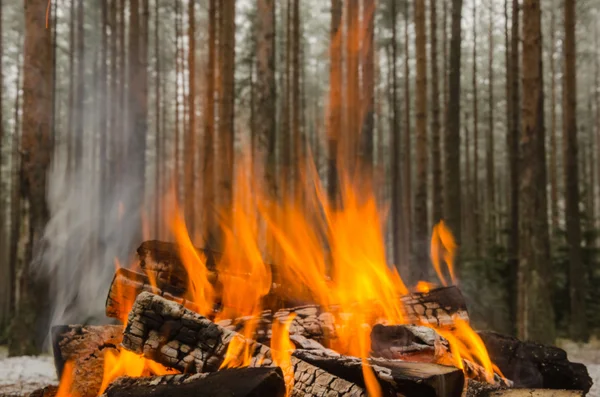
126,363
282,348
66,381
424,286
443,241
199,288
240,348
466,344
330,253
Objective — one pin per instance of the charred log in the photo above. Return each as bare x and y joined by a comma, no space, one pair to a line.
421,344
242,382
85,346
48,391
166,332
534,393
410,379
174,336
533,365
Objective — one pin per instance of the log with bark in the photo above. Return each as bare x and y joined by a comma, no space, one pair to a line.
166,332
534,365
419,343
161,266
85,346
239,382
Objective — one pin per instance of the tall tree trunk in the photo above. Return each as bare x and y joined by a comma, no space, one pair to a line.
452,199
32,310
178,72
226,111
553,127
535,315
406,155
421,219
513,162
80,94
349,139
138,90
123,109
190,139
266,94
71,99
597,100
208,172
335,99
436,155
15,192
577,275
368,88
113,98
398,211
474,204
296,106
5,280
490,163
286,142
159,160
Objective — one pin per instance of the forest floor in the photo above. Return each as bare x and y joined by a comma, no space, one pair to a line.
21,375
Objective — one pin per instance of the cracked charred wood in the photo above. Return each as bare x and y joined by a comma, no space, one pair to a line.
407,378
239,382
532,365
128,284
421,344
163,261
174,336
85,346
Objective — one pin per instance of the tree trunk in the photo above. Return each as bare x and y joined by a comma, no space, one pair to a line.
398,229
436,154
31,313
5,280
406,155
190,139
159,160
368,88
597,100
492,226
420,217
553,128
113,97
474,204
577,274
178,71
350,136
296,106
266,93
80,93
71,98
513,162
535,315
15,192
452,199
226,111
208,172
335,98
286,142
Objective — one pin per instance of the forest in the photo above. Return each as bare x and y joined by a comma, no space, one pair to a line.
483,114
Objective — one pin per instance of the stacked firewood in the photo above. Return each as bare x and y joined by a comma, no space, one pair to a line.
405,360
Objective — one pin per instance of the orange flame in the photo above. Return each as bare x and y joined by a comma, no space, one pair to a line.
66,381
126,363
282,348
443,241
240,348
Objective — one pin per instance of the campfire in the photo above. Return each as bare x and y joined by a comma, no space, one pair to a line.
295,305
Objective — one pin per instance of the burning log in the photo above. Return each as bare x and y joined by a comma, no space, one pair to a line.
409,378
166,332
242,382
85,346
421,344
534,365
48,391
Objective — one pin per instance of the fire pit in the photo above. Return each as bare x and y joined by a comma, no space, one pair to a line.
172,343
